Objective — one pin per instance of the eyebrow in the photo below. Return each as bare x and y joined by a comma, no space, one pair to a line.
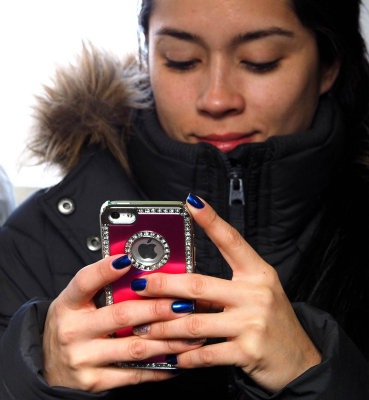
260,34
239,39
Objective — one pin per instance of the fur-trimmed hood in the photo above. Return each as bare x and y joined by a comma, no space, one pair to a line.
90,103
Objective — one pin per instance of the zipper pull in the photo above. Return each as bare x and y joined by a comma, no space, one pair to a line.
236,194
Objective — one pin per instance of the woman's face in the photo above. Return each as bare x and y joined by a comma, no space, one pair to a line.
228,72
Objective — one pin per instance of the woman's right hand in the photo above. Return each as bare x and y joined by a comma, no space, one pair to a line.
77,349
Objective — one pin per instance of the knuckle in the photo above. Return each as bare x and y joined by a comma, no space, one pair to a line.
197,285
57,312
172,346
73,359
158,283
267,297
66,335
187,360
157,375
194,326
159,309
136,376
252,354
206,356
137,349
120,315
87,381
258,328
77,362
160,330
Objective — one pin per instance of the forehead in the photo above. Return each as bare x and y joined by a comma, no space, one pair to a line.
223,15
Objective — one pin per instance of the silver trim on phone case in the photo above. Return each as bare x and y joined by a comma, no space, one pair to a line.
146,207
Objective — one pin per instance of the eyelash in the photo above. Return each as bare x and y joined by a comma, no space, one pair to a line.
254,67
181,65
261,67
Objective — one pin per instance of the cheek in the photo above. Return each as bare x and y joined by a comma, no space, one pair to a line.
170,96
173,103
287,103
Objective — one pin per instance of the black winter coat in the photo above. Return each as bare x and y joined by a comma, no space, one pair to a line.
56,232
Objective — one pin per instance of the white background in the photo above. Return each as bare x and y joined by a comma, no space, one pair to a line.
36,36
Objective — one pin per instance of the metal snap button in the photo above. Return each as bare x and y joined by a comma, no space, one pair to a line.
93,243
66,206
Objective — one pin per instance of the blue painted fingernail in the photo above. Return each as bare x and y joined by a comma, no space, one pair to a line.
171,359
121,262
182,306
195,201
138,284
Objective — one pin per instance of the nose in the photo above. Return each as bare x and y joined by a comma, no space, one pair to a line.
219,95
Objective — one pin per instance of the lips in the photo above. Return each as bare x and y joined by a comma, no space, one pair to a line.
229,141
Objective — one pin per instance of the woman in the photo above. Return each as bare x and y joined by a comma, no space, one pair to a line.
258,108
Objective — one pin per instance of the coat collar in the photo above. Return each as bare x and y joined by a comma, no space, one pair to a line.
287,179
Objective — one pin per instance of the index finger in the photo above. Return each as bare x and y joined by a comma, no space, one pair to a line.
90,279
236,251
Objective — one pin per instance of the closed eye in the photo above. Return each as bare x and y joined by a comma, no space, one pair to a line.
261,67
181,65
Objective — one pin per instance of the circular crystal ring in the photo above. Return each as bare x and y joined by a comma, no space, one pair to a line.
147,250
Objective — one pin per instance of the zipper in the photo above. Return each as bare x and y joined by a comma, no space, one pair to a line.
236,197
236,206
236,192
236,202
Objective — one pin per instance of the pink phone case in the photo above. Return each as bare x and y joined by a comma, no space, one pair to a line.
157,237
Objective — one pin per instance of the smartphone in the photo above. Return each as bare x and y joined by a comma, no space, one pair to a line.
157,236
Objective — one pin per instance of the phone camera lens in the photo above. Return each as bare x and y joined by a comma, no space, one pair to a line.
115,215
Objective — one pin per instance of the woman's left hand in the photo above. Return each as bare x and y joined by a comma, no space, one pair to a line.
264,336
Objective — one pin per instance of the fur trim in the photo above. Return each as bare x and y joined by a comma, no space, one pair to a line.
90,103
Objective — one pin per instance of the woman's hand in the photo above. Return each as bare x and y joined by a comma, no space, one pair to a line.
264,336
77,350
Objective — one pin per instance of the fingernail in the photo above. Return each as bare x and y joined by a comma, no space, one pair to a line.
141,329
121,262
196,341
171,359
195,201
138,284
182,306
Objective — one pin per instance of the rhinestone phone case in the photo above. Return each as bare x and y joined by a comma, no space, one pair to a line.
157,237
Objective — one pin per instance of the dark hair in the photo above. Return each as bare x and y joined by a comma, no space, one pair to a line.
145,12
334,273
144,15
336,26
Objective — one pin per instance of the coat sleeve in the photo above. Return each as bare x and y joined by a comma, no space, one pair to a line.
342,374
26,291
